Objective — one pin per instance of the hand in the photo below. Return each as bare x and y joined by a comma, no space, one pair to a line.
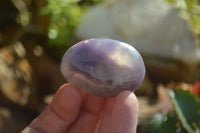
73,111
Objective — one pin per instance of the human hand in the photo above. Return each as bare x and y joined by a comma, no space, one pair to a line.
73,111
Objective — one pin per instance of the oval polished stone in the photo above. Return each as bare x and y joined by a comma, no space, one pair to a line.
103,67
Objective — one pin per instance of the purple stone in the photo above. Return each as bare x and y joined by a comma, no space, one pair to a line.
103,67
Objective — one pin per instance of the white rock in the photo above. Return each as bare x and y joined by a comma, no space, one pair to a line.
153,27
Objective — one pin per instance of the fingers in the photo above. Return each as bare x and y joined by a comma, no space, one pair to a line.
60,113
89,115
72,111
125,113
105,123
120,114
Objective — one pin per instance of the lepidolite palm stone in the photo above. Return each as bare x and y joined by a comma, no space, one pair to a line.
103,67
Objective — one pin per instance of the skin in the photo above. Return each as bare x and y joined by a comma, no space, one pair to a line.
73,111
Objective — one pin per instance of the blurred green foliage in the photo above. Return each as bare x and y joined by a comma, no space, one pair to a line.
163,123
191,9
185,118
187,107
64,17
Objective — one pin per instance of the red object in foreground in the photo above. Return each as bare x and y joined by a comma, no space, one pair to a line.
195,88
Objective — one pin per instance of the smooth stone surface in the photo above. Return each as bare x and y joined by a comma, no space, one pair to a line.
103,67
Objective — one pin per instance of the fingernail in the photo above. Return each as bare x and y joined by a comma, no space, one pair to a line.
30,130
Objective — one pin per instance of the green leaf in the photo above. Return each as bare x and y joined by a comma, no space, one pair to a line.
163,124
187,107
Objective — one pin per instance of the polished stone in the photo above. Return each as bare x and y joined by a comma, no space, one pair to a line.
103,67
